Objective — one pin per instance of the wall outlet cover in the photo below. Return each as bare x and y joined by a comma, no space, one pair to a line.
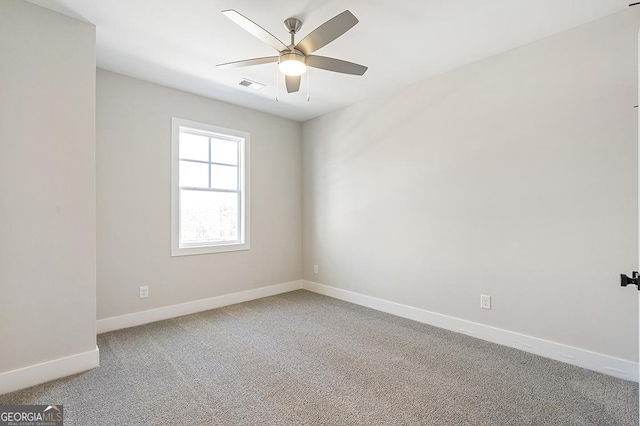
485,301
144,291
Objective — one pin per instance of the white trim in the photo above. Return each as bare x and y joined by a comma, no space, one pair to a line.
580,357
32,375
173,311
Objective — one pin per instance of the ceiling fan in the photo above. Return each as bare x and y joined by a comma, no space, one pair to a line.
294,59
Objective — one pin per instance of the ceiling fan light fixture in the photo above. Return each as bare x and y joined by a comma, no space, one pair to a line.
292,64
294,59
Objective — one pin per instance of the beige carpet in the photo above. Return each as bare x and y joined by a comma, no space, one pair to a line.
305,359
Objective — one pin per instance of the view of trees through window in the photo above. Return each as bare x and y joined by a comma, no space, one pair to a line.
209,182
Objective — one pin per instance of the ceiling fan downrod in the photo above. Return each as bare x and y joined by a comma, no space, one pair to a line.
292,25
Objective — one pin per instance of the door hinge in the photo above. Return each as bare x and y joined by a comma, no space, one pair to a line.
634,280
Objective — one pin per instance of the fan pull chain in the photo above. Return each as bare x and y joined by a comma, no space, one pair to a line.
277,84
308,84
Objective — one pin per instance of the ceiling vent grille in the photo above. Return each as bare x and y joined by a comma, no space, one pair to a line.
251,84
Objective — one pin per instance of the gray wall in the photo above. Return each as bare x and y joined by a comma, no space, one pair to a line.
514,177
47,186
134,195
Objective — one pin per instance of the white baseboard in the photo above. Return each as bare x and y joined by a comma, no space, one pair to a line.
26,377
580,357
173,311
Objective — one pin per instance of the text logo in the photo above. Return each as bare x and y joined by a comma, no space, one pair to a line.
31,415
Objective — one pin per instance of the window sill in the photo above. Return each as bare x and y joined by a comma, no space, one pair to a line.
221,248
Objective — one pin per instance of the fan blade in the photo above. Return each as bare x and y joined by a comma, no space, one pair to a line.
293,83
255,29
249,62
335,65
327,32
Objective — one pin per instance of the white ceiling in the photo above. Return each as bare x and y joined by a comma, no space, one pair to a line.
178,43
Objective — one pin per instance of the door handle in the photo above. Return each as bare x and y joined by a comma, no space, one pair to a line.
634,280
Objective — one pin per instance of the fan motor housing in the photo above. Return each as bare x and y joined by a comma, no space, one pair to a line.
292,55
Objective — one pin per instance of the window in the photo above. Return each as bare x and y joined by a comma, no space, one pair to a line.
210,188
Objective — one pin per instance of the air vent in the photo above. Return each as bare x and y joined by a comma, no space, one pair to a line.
251,84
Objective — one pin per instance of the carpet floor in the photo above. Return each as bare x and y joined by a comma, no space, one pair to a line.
304,359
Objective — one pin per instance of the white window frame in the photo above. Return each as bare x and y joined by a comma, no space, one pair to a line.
243,139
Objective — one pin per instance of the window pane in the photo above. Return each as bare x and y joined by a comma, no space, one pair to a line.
224,177
207,216
194,147
224,151
195,175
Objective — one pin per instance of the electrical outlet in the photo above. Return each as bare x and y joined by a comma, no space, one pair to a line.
144,291
485,301
315,269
